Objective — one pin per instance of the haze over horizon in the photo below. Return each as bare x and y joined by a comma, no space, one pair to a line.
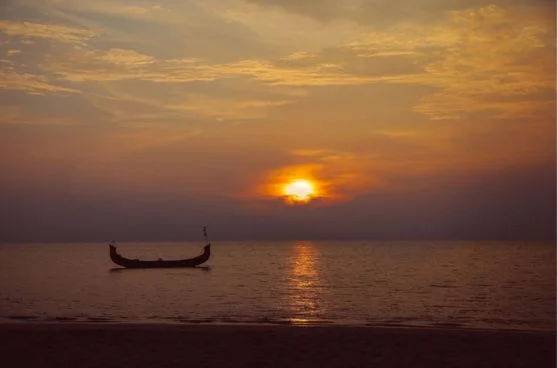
146,120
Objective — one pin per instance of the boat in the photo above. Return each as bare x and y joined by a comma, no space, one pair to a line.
136,263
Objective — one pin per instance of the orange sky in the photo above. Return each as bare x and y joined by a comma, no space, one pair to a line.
208,104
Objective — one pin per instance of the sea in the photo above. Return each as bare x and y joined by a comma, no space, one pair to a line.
435,284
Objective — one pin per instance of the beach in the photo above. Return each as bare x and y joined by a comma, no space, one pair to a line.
160,345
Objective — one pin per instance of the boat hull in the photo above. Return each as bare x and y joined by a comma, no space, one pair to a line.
181,263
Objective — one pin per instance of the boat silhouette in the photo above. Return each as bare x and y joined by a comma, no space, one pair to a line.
136,263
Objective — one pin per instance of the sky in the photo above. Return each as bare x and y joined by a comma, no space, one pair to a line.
145,120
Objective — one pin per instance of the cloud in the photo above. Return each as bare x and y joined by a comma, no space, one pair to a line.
125,58
486,60
52,32
385,13
83,65
151,103
114,8
32,84
479,60
165,29
324,10
320,74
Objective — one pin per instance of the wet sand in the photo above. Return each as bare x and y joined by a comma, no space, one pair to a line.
106,345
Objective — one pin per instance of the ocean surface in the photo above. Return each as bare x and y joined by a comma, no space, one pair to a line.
493,285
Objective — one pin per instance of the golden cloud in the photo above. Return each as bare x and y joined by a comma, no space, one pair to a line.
53,32
478,58
30,83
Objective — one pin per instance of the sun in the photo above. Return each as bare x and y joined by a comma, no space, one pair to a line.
300,190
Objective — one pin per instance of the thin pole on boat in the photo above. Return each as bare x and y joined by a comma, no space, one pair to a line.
205,234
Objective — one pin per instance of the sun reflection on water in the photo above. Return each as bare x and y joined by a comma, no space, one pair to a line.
305,285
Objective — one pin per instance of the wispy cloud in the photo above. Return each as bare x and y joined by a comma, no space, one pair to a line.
478,59
54,32
30,83
121,64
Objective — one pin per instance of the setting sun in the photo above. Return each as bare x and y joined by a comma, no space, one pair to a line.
300,190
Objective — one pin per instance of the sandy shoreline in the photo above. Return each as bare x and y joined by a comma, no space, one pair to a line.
150,345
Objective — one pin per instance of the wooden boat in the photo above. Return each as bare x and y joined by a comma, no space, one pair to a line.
136,263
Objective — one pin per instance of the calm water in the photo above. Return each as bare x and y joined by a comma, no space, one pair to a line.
499,285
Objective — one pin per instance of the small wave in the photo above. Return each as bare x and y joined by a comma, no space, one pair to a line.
99,319
446,324
196,321
23,318
443,286
62,319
